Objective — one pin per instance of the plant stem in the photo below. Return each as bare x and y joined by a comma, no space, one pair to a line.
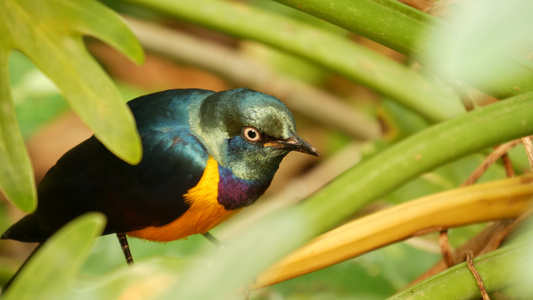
422,152
389,23
496,200
498,270
405,30
331,51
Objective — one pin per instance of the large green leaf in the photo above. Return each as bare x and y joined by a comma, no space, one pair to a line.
51,34
16,174
51,272
483,45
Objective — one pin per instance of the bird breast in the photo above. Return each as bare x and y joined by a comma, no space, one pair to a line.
218,196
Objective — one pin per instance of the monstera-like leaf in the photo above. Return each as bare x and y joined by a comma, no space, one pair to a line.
50,33
52,270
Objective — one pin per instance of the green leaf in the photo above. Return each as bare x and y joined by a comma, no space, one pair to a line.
50,273
484,43
50,33
16,174
145,280
37,99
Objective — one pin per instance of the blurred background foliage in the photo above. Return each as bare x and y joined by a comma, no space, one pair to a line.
357,81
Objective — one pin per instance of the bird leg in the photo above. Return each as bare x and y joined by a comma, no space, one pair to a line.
125,247
214,241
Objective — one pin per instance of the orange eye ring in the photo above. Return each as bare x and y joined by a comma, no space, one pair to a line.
251,134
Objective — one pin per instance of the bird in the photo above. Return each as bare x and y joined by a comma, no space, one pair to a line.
206,155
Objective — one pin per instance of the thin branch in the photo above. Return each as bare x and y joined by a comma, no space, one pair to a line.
446,250
509,171
493,157
529,150
478,245
479,281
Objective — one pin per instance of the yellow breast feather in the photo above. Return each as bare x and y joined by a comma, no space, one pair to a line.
203,214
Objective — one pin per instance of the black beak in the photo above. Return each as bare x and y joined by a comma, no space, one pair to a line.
295,143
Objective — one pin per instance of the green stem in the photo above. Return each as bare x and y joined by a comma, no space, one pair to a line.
390,23
405,30
326,49
422,152
498,270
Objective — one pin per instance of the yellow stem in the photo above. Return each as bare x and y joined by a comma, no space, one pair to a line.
502,199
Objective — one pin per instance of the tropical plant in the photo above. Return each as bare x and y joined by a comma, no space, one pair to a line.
461,85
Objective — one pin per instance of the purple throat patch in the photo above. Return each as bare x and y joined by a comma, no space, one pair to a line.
234,192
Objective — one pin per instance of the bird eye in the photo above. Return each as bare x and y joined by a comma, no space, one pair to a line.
251,134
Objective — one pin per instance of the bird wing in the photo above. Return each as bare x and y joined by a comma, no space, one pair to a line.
90,178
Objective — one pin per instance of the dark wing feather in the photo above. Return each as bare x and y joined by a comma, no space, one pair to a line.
90,178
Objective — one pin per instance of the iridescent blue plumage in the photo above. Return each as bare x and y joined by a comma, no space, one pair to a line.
163,124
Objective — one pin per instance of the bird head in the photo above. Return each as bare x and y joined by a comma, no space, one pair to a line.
248,132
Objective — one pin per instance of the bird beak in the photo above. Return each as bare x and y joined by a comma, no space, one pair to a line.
294,143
